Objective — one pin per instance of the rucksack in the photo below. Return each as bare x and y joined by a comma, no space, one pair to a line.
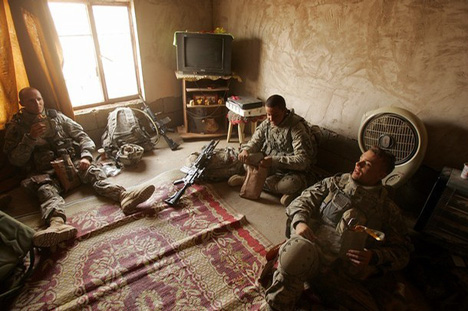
124,127
16,242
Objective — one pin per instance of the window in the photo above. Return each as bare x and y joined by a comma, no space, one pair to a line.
99,50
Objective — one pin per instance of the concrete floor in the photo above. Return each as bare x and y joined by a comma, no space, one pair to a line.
267,215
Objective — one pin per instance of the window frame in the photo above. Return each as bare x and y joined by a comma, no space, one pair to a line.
100,67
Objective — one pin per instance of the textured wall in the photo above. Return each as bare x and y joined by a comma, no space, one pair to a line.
335,60
157,20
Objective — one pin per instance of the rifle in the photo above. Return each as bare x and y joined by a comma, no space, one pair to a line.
194,172
161,126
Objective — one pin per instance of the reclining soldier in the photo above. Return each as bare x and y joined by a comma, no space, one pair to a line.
35,137
286,146
328,247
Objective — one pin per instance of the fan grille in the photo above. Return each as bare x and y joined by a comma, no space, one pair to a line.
393,133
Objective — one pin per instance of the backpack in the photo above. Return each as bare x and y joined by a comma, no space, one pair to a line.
123,127
16,241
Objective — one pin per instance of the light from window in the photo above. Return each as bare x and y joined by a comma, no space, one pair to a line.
91,79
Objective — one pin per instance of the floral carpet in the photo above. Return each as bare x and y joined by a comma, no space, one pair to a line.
200,255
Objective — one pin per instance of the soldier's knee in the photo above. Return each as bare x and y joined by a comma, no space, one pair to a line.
47,192
290,184
298,257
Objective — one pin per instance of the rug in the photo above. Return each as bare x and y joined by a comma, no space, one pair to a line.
199,255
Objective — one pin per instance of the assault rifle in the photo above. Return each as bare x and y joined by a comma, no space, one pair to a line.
194,172
161,126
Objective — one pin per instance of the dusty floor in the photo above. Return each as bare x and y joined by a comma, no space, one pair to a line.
267,215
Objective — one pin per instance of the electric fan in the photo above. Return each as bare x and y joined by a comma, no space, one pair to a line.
400,132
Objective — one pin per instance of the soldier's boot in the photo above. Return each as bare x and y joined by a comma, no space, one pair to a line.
130,199
236,180
286,199
57,232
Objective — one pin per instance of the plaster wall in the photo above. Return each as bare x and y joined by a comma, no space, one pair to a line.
157,20
334,60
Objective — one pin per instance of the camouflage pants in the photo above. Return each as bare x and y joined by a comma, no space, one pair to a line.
288,183
48,190
337,289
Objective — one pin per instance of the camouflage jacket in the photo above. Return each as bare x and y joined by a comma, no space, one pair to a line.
289,144
325,202
63,135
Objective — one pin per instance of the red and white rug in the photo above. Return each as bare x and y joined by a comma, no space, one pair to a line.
201,255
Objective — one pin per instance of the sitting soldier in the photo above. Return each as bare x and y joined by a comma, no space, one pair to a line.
286,146
346,233
35,137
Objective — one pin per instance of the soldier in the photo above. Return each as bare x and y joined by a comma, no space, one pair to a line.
286,146
35,137
332,255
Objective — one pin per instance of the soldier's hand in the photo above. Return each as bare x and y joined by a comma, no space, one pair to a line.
243,156
37,130
84,164
267,161
305,231
359,258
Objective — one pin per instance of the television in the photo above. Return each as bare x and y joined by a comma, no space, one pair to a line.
203,53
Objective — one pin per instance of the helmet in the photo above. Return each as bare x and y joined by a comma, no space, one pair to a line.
130,154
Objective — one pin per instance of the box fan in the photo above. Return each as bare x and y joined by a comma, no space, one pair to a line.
400,132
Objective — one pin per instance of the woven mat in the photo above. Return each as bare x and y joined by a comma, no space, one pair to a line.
201,255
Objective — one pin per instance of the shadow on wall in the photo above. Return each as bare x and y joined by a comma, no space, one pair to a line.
246,67
446,134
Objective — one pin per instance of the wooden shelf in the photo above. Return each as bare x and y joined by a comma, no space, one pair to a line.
205,106
196,121
207,89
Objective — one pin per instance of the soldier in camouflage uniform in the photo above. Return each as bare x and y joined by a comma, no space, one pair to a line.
316,252
287,147
35,137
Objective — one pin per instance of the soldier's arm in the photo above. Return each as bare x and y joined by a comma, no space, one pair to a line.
300,160
258,138
394,254
76,132
18,145
307,205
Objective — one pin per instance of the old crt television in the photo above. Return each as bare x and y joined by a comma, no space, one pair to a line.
203,53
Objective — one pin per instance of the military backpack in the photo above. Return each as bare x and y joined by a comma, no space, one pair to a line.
124,127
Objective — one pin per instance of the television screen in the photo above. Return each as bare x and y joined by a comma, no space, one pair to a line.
203,53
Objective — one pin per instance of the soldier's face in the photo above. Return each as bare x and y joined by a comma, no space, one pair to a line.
32,101
275,115
369,170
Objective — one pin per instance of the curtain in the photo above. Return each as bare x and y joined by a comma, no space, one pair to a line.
12,72
41,52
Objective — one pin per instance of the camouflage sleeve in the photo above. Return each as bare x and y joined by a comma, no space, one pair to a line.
255,143
76,132
394,254
18,145
307,205
300,159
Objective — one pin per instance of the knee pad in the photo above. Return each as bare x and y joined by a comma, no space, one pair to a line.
290,184
47,192
298,257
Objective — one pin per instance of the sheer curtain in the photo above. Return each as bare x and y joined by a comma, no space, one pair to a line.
12,72
41,52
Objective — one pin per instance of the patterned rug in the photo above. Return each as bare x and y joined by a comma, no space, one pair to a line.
201,255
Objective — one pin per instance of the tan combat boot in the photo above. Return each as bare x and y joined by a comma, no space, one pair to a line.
236,180
57,232
130,199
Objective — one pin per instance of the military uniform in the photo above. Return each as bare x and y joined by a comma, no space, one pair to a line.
293,151
324,207
63,136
